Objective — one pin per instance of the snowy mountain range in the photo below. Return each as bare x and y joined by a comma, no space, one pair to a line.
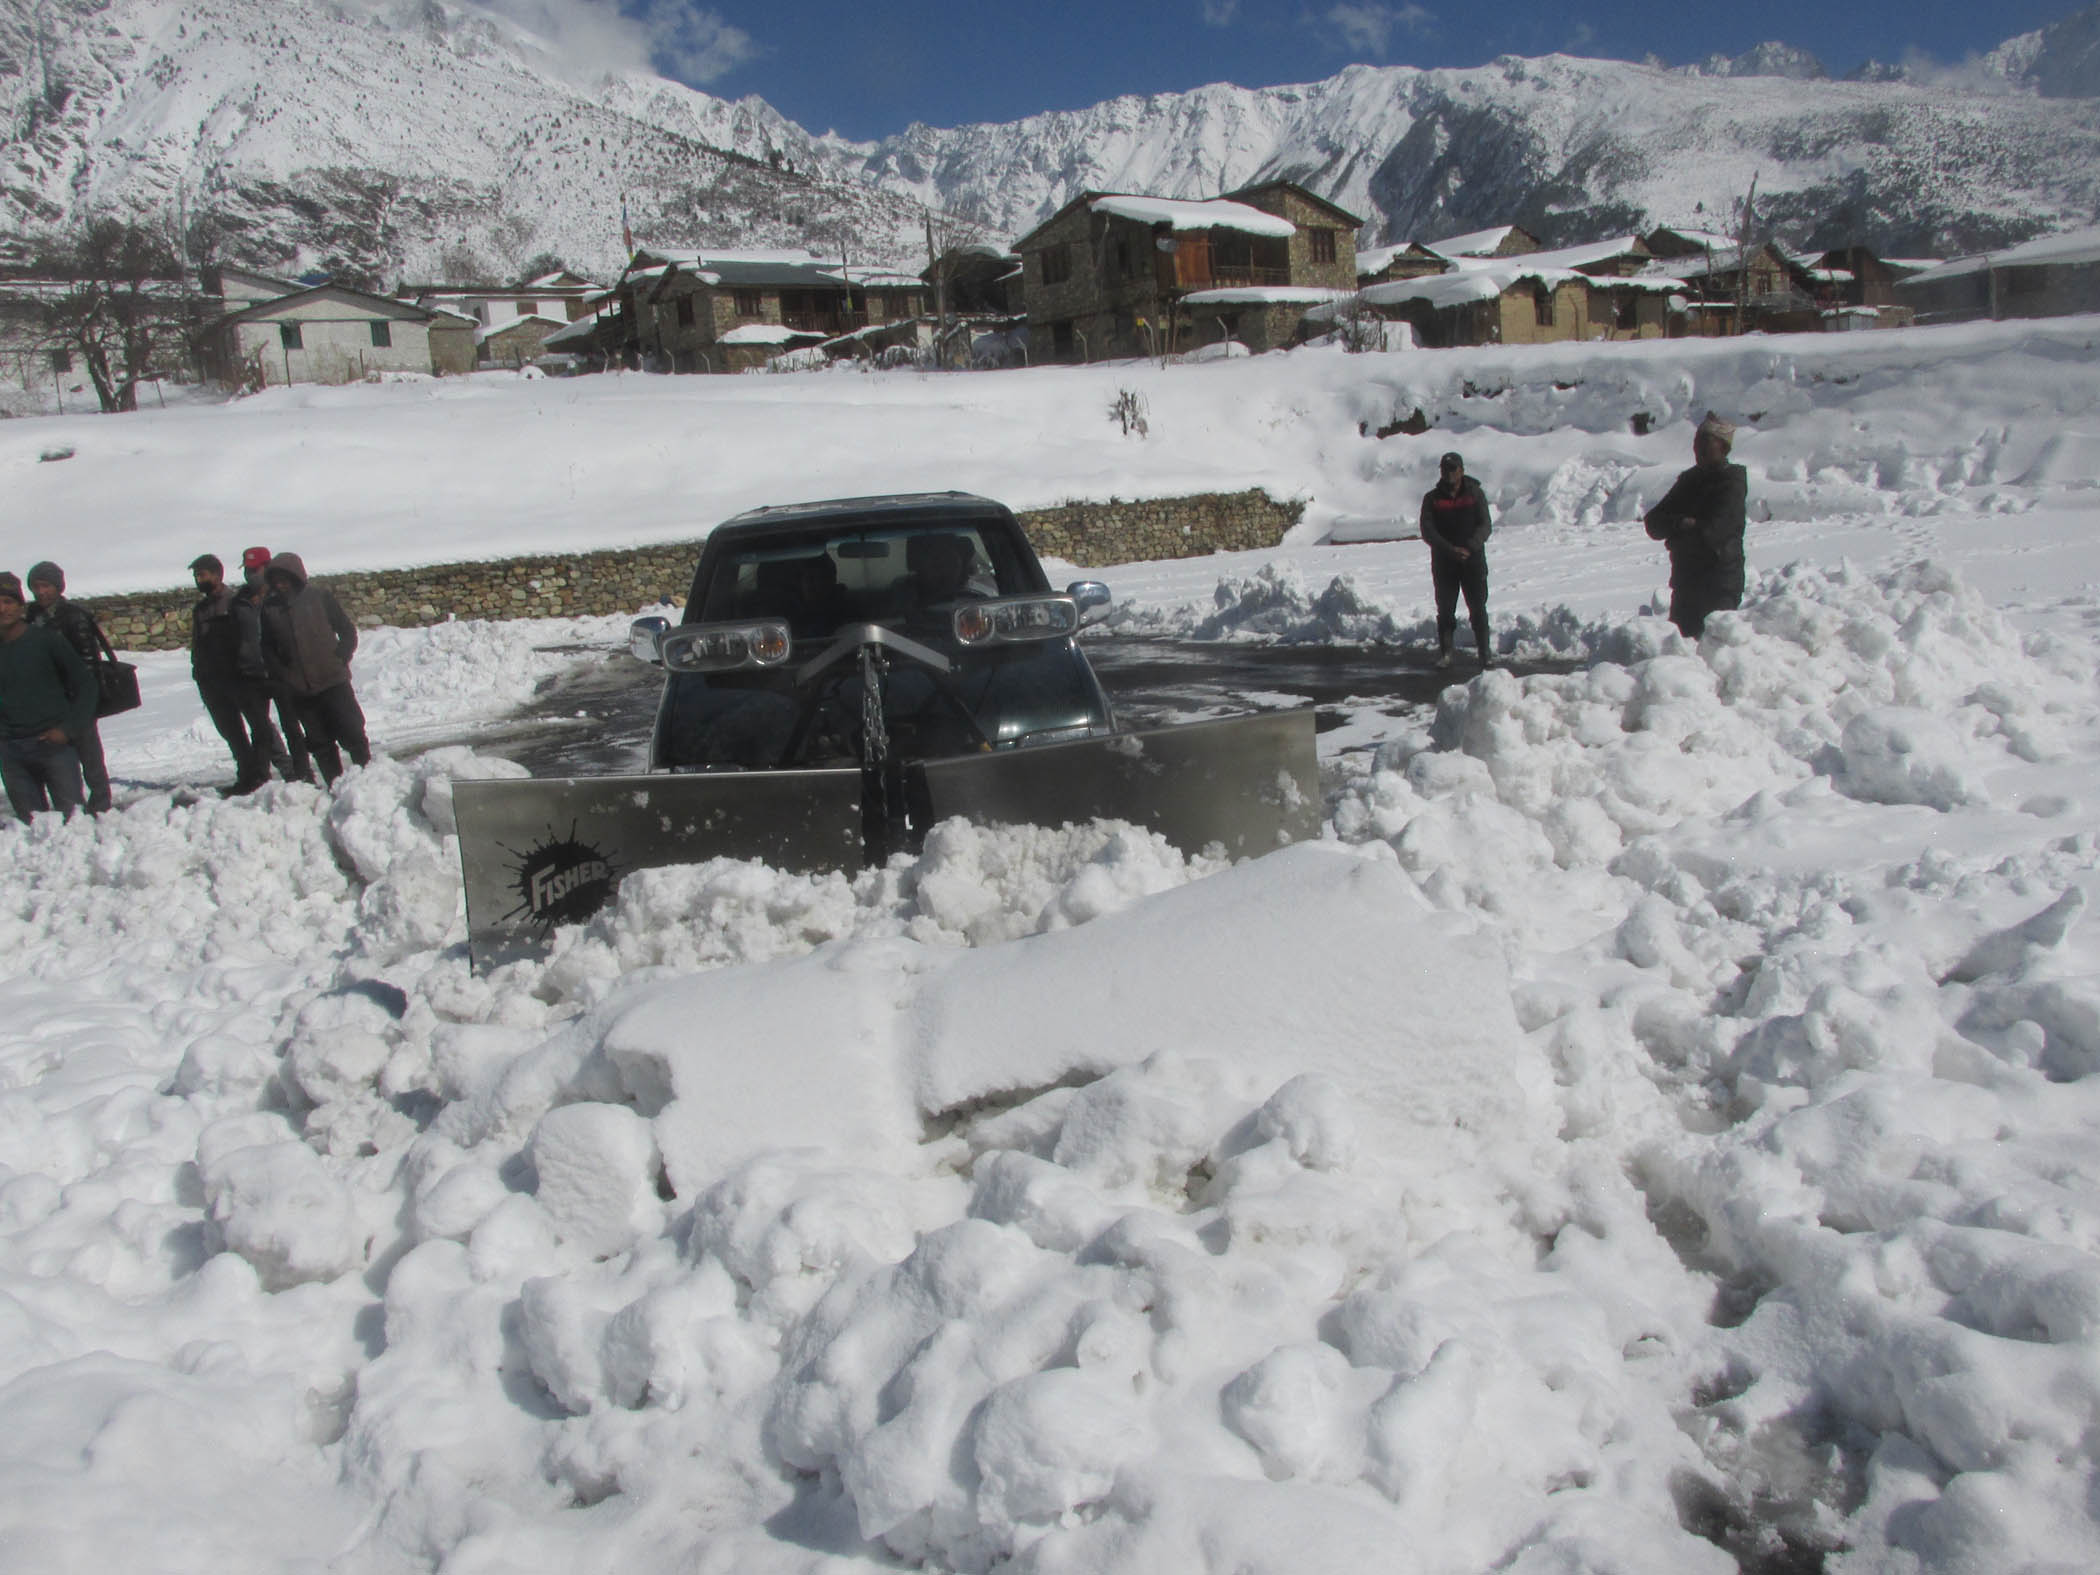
430,138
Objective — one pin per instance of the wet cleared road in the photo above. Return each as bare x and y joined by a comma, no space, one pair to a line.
597,719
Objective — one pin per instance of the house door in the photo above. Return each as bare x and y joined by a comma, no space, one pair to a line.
1192,262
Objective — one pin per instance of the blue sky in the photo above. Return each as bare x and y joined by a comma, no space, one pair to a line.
870,70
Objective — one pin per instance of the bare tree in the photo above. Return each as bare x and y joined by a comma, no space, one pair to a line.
124,308
1742,257
949,240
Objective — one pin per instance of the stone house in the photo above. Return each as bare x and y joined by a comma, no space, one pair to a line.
1113,274
563,296
2052,276
1592,292
677,308
516,341
1731,291
326,333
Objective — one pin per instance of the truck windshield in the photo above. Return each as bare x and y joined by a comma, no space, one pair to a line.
896,575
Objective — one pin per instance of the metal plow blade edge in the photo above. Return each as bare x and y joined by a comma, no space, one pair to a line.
544,852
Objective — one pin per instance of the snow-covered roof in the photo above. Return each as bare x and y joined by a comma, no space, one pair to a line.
484,334
1184,216
1480,243
1484,278
767,334
1705,238
1264,295
1576,257
578,332
2069,246
686,257
1377,258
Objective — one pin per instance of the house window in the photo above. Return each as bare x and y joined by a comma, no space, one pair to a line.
1542,304
1628,311
382,336
61,360
1321,243
685,311
901,305
750,303
288,336
1057,264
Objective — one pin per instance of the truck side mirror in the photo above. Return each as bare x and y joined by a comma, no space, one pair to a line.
1089,594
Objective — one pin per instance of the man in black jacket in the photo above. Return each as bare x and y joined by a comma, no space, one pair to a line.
1455,524
47,699
258,691
1702,520
215,646
47,584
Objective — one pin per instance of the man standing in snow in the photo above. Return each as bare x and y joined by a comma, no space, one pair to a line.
47,584
308,641
287,754
1455,524
1702,520
47,699
215,644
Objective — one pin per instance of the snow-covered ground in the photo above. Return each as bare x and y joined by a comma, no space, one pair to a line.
1656,1129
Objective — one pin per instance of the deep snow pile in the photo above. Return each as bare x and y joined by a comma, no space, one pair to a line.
1653,1130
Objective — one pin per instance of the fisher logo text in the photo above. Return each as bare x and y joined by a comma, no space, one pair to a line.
562,881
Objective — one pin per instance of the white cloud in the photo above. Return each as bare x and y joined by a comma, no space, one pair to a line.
694,45
679,38
1220,13
1369,29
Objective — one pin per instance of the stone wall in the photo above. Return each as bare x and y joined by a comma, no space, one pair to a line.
1093,534
626,580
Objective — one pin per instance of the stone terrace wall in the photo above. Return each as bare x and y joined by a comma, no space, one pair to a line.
625,580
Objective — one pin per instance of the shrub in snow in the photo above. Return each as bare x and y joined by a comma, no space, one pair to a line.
1897,755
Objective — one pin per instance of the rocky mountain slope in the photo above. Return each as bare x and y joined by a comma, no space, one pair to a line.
428,138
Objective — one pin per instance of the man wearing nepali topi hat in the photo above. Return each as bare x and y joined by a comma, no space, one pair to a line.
1701,519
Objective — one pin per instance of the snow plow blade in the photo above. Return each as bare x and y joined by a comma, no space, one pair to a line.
538,853
1248,784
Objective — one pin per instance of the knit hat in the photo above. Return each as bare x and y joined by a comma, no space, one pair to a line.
49,573
1451,461
256,558
10,586
1722,432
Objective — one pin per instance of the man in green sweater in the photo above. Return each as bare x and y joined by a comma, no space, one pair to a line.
47,699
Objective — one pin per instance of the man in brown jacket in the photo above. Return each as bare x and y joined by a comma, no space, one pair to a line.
308,641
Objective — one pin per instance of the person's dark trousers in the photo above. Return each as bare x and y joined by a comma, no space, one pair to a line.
40,775
223,704
297,765
94,770
1450,576
269,748
329,719
1690,603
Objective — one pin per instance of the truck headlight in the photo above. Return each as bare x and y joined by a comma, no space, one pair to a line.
1016,618
725,647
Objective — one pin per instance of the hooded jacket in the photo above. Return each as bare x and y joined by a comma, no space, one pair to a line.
307,638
